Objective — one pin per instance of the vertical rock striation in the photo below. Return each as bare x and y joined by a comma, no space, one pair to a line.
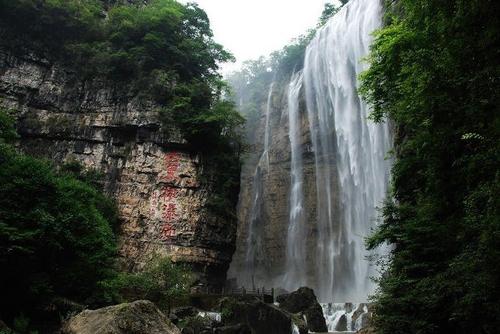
269,262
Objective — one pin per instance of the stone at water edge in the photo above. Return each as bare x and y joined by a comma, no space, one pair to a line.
251,313
342,324
179,313
360,313
234,329
304,301
139,317
367,330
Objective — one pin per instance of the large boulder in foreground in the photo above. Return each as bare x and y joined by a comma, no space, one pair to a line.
139,317
304,302
243,315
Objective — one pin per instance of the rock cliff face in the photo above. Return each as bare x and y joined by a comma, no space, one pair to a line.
155,178
273,225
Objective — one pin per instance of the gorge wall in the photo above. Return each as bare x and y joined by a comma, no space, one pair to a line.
268,237
160,185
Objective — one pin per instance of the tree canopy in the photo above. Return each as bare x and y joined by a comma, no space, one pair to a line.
56,233
434,71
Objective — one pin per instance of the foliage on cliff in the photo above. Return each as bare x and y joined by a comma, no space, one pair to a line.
251,83
161,49
56,232
58,246
435,72
162,38
163,282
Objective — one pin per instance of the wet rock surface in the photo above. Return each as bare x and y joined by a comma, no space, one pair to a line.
304,302
139,317
254,315
269,262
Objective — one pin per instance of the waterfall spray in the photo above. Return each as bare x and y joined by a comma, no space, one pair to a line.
348,148
296,246
254,240
327,125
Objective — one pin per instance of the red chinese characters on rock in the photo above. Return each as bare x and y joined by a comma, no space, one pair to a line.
168,194
172,163
169,208
167,232
169,212
167,197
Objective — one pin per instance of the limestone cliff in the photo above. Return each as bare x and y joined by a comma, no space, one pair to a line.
159,183
270,257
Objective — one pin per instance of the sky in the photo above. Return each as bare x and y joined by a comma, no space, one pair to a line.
253,28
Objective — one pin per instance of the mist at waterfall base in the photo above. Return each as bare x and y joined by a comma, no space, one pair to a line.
350,166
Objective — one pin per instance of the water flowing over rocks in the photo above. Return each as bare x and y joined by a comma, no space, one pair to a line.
304,302
341,317
156,179
139,317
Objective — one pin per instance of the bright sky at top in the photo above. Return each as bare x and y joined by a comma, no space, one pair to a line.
253,28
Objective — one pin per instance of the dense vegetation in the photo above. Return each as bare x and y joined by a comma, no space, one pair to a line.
161,281
57,230
161,49
56,233
163,40
58,244
435,72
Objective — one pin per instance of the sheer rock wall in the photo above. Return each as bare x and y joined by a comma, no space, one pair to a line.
273,225
156,179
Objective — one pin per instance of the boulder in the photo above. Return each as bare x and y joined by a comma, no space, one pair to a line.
367,330
197,325
233,329
258,316
342,324
300,324
366,319
184,312
359,311
361,318
4,328
139,317
304,301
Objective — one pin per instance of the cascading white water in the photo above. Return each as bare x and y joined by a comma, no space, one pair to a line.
296,247
254,239
346,317
267,132
350,169
349,151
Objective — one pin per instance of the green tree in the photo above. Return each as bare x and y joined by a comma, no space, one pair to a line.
159,50
56,237
161,281
434,72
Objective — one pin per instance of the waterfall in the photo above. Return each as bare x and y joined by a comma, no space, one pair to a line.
255,229
346,317
351,172
296,246
267,132
338,171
